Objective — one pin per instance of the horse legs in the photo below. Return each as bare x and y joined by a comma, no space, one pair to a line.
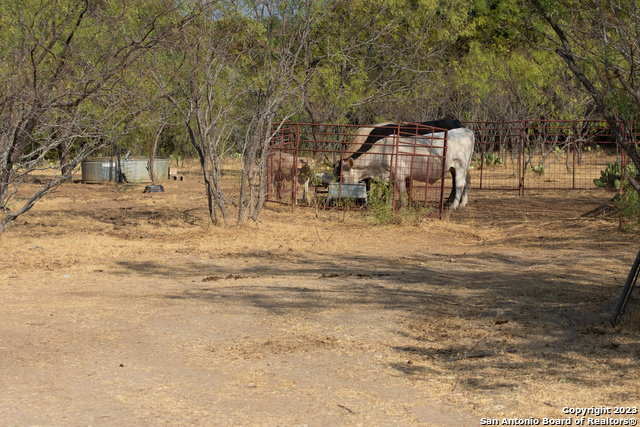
465,192
402,189
452,196
461,185
305,190
279,185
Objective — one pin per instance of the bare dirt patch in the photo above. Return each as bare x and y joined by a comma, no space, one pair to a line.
124,308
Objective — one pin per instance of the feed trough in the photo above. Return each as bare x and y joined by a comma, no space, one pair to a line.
348,191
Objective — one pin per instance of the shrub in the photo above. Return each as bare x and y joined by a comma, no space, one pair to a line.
538,170
492,159
630,205
379,202
630,201
380,199
610,177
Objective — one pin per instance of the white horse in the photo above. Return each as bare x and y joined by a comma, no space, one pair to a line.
402,159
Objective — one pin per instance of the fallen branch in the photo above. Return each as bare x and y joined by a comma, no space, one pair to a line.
344,407
318,233
471,355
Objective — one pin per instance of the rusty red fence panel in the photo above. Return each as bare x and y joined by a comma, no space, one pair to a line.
508,156
541,154
418,160
497,158
566,155
326,145
282,152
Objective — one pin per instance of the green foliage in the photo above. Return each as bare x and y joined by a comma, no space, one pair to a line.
598,43
314,179
365,53
629,204
105,70
537,170
380,207
498,25
596,149
499,77
326,164
380,202
610,177
345,203
491,159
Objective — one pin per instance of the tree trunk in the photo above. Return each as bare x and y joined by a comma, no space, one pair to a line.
213,214
245,207
218,196
63,157
622,132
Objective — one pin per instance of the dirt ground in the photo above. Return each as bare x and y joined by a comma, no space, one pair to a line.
124,308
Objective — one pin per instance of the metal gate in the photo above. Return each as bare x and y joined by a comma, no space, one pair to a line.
508,156
305,155
541,154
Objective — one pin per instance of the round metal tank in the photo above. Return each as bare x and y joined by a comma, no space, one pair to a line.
135,169
99,169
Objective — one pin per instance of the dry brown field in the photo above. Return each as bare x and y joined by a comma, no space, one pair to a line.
124,308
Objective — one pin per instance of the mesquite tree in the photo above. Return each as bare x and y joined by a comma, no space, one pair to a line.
599,41
199,74
275,89
67,86
234,73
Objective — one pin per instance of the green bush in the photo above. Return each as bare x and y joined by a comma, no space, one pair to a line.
537,169
630,200
380,204
610,177
629,204
492,159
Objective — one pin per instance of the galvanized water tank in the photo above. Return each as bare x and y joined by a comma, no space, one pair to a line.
99,169
135,169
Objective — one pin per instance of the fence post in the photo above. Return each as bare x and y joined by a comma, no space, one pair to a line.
409,189
393,172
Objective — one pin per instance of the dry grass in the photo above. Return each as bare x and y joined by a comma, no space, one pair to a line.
499,310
